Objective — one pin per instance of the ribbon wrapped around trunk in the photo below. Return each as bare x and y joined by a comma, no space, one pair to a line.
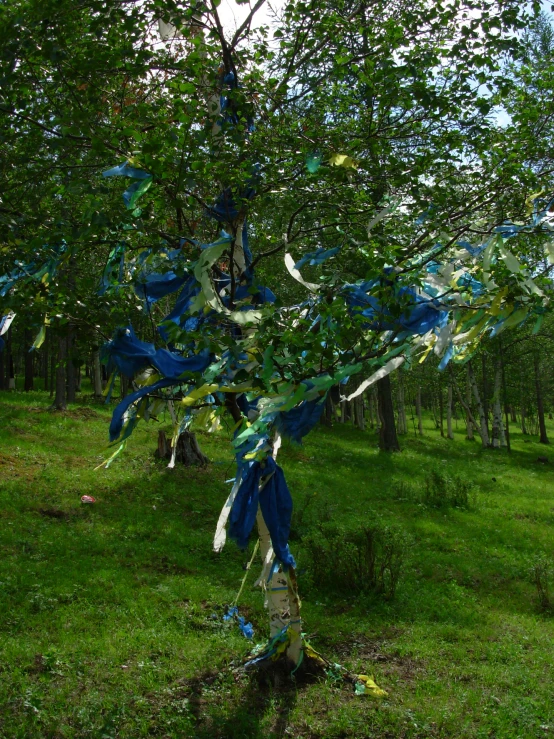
264,485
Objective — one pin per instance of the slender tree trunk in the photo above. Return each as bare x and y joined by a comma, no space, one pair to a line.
449,433
10,369
400,399
485,391
358,408
388,440
543,438
441,412
371,409
29,369
52,372
480,408
496,410
469,424
523,418
45,357
71,374
96,373
60,400
418,412
3,369
281,592
506,436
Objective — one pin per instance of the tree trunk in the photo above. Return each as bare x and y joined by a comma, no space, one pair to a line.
10,370
485,392
388,440
71,374
418,412
371,409
400,399
441,412
60,400
281,592
543,438
96,373
449,433
498,437
52,373
480,408
188,452
3,368
358,414
45,362
29,380
506,436
469,424
522,415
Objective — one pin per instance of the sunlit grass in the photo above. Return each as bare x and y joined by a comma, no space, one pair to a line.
111,613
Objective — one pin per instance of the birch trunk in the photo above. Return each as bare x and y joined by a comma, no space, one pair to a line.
469,423
45,360
497,425
543,438
485,391
370,408
480,409
2,371
388,440
29,369
96,373
523,418
10,369
449,433
60,400
281,592
441,412
418,412
71,374
400,400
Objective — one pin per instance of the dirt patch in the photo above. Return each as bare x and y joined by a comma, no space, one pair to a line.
54,513
379,651
82,413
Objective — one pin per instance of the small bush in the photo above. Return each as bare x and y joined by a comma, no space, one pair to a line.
439,491
541,572
442,490
305,516
369,558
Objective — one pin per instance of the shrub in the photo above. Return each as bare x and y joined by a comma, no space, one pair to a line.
541,573
305,516
439,491
369,558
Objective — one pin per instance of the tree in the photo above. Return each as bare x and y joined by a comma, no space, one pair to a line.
358,144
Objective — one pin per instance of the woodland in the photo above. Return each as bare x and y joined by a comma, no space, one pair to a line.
276,354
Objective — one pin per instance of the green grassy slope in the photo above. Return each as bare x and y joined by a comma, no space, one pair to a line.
111,614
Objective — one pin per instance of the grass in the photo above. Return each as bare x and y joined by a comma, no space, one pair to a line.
112,613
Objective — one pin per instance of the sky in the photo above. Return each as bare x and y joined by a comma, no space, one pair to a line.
232,14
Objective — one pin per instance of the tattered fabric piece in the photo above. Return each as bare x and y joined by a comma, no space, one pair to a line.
299,421
264,485
116,424
155,286
130,356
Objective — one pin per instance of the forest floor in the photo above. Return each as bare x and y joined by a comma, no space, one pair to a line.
111,613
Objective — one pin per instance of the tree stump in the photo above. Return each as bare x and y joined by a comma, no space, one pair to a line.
188,452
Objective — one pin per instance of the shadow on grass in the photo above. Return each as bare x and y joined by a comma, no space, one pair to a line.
259,710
